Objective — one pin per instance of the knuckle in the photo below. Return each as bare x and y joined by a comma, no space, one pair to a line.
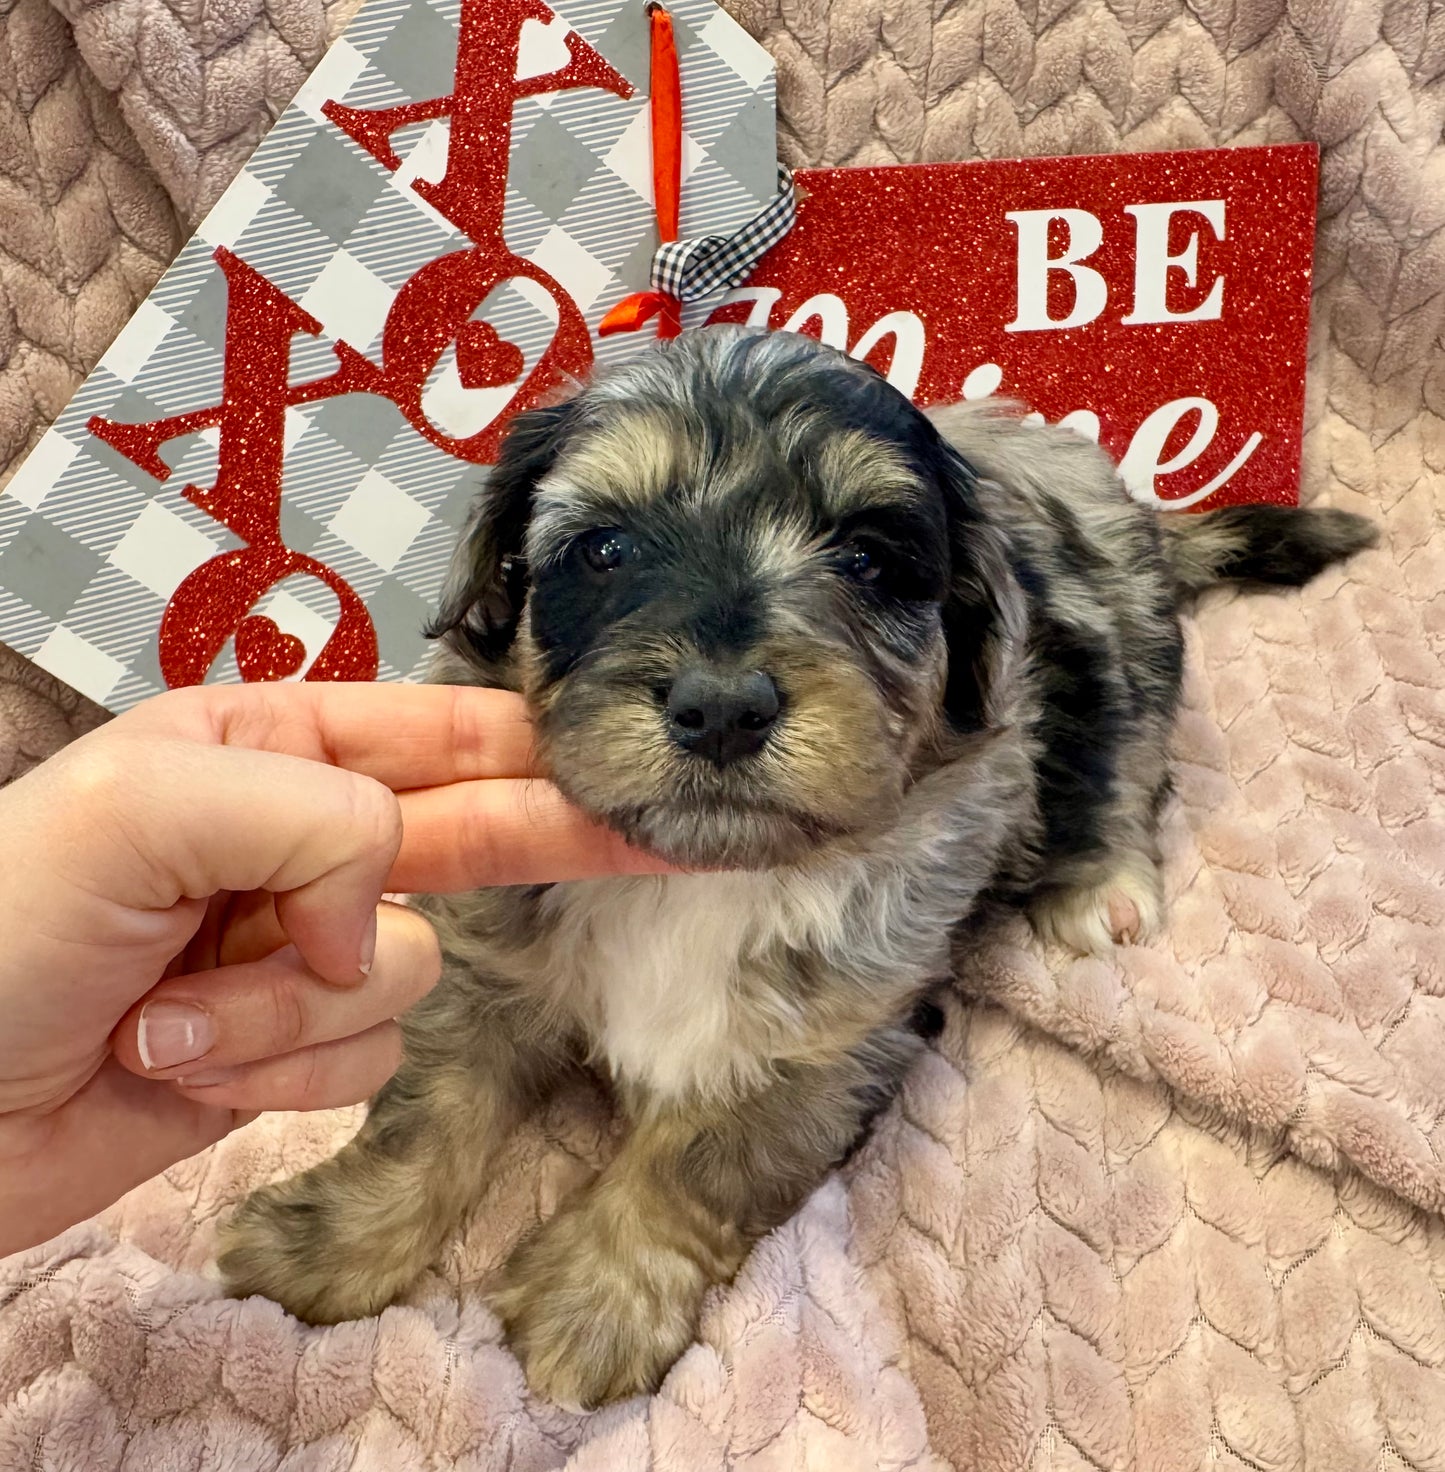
464,718
475,714
288,1021
308,1077
177,712
97,773
174,706
375,813
389,1051
477,842
423,947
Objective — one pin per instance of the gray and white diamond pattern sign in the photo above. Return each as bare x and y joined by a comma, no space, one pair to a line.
92,547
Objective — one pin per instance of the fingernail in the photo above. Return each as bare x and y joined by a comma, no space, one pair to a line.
172,1033
368,947
206,1079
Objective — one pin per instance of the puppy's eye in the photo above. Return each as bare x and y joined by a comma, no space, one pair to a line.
608,549
861,564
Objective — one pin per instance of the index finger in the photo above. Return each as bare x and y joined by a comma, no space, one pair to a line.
472,835
401,735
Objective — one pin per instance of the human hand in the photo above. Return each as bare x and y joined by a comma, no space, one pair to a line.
190,898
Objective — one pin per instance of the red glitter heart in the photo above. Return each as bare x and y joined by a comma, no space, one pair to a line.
263,652
484,360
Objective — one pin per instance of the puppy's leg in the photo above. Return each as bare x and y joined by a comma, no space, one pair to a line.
1114,896
1115,900
341,1241
602,1300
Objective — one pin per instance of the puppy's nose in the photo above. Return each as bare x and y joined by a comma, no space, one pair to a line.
722,715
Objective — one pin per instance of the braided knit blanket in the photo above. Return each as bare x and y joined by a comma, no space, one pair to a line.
1173,1211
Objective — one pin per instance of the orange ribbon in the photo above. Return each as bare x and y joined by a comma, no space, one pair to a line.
666,110
632,311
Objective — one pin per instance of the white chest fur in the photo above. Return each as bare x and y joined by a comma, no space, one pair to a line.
679,981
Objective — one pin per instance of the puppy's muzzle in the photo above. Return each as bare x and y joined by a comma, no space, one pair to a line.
722,715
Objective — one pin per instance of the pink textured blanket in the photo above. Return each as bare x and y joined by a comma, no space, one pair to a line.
1173,1211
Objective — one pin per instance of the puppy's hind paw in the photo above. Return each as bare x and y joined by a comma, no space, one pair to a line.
1124,908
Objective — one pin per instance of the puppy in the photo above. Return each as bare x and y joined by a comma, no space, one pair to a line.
867,669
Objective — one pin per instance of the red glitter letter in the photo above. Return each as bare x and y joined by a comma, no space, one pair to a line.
472,192
434,311
214,602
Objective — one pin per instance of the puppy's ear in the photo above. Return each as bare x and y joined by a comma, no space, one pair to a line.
985,614
488,585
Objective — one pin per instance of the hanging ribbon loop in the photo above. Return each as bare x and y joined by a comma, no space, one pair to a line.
688,270
665,106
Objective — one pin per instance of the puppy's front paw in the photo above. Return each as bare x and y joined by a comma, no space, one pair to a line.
1123,908
597,1309
291,1243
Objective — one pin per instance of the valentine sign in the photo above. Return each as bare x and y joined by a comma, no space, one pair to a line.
264,477
459,214
1158,303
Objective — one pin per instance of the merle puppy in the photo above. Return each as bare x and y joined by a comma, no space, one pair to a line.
866,667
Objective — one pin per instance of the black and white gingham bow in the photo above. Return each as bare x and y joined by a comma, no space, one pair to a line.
689,270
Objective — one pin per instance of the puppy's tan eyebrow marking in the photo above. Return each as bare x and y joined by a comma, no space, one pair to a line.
631,460
855,472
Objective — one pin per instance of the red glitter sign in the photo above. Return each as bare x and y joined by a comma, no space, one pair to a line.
1156,302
